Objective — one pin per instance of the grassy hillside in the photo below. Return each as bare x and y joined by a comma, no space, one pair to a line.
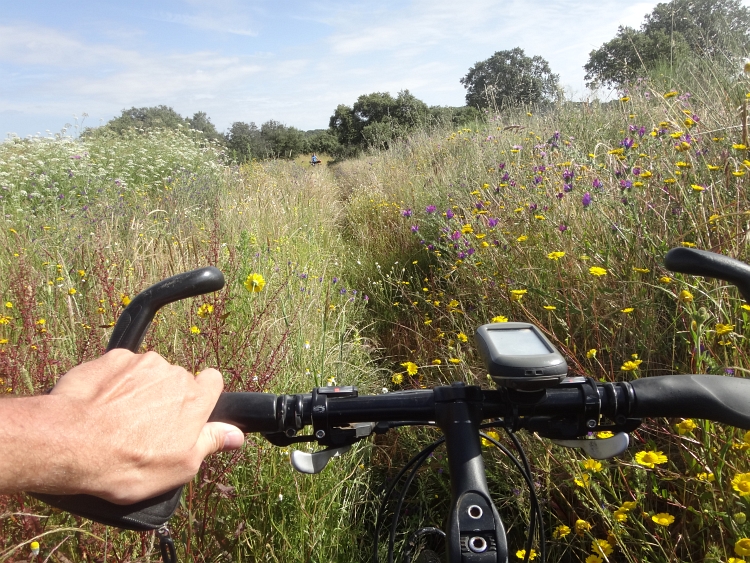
378,270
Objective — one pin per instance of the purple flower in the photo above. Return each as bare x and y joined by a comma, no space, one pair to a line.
449,214
479,205
642,131
456,235
586,199
492,222
560,195
537,179
430,209
567,175
532,207
366,298
597,183
406,212
636,171
627,143
470,251
414,228
461,255
335,279
505,177
562,228
567,188
626,184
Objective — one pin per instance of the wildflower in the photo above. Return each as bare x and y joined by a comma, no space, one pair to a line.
641,270
467,229
663,519
586,199
306,345
722,329
591,353
584,480
72,291
454,360
741,484
521,553
698,188
517,294
550,307
739,146
601,547
555,255
604,434
561,531
597,271
436,362
492,434
665,279
195,330
125,300
686,426
705,476
522,238
631,365
397,378
627,310
742,547
685,296
735,560
8,305
620,515
462,337
411,368
592,465
650,458
206,309
406,213
254,283
593,558
582,527
671,94
34,548
500,319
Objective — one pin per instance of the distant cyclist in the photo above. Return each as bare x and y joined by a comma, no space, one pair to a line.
314,160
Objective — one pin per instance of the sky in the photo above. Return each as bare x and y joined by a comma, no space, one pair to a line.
81,63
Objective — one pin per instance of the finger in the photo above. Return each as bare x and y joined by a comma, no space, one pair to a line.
218,436
210,382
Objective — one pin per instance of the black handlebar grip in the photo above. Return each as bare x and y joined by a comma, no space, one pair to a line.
711,265
250,412
712,397
128,333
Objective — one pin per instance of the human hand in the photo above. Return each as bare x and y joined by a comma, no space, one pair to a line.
124,427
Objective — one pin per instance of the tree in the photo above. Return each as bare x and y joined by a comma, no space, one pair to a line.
201,122
673,30
509,78
161,117
244,142
281,141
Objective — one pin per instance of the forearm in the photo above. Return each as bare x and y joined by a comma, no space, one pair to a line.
35,451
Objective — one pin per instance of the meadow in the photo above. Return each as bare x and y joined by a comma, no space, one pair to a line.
377,270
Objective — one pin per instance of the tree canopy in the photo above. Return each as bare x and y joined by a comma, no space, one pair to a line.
510,77
706,28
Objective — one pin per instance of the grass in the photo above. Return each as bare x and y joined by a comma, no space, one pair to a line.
560,218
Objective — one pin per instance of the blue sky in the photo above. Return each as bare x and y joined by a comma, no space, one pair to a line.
258,60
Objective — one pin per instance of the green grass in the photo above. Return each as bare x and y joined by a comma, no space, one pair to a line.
363,275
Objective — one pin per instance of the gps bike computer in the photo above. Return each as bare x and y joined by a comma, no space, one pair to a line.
519,356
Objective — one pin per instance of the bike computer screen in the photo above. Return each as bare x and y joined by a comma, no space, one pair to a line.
519,356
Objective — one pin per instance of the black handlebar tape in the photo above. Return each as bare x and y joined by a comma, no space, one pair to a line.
712,397
134,321
250,412
128,333
711,265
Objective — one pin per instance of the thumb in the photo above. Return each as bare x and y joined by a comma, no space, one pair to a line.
219,437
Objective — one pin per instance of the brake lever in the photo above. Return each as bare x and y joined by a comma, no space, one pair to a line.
128,333
600,448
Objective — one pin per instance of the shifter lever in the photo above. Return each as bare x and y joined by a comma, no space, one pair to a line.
602,448
315,462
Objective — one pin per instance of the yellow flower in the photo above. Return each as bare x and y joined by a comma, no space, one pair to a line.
641,270
592,465
205,310
604,434
593,558
685,296
697,188
735,560
454,360
561,531
746,437
540,217
663,519
741,484
254,283
708,477
686,426
601,547
72,291
522,238
3,340
555,255
467,229
739,146
650,458
631,365
671,94
742,547
582,527
625,99
627,310
584,480
492,434
34,548
521,553
8,305
712,167
620,515
665,279
722,329
125,300
195,330
628,505
597,271
436,362
517,294
462,337
397,378
550,307
500,319
591,353
411,368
